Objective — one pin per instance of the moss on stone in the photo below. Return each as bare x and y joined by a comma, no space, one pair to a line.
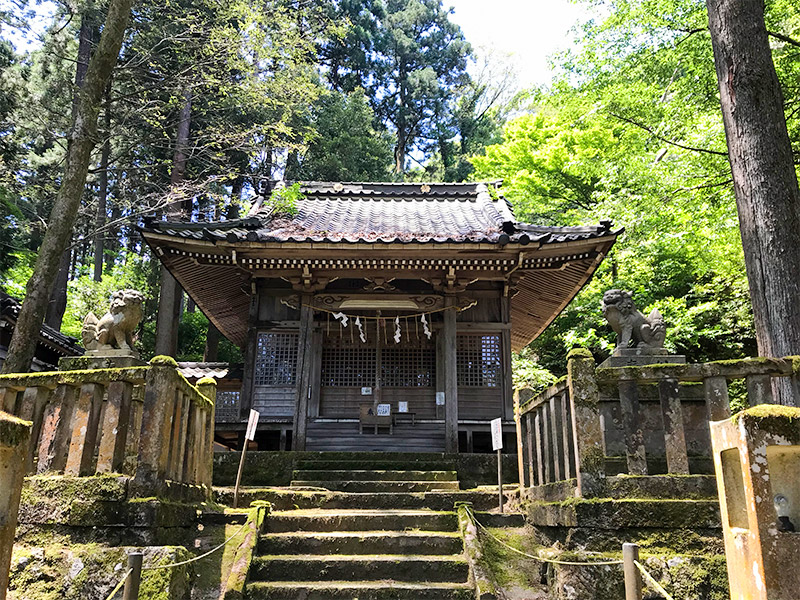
207,381
163,360
582,353
773,418
13,431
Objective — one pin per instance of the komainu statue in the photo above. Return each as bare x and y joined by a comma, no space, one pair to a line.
630,324
115,328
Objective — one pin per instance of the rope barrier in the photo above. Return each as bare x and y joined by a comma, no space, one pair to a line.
196,558
371,318
120,584
652,582
540,558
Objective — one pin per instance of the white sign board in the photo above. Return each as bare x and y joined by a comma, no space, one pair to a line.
497,434
402,407
439,398
252,423
366,391
384,410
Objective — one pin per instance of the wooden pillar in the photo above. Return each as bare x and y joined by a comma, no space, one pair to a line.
450,376
505,360
304,364
519,426
587,430
249,358
631,422
531,451
208,387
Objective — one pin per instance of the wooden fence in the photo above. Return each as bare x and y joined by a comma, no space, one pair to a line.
562,431
145,422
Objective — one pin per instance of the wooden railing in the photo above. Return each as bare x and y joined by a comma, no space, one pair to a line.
546,424
561,431
146,422
562,435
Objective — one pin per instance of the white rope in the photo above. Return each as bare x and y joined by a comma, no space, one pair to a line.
196,558
120,584
652,582
540,558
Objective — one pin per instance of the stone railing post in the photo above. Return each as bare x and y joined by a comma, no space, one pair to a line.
756,461
587,429
207,387
158,411
14,440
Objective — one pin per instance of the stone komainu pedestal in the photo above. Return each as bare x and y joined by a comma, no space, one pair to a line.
14,434
757,459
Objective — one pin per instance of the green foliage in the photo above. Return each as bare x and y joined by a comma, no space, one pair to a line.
600,144
346,146
526,372
409,57
284,199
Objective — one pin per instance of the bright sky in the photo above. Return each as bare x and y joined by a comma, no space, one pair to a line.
529,30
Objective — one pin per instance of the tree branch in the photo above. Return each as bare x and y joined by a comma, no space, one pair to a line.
665,140
784,38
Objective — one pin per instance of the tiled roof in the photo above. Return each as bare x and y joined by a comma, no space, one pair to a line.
64,344
383,212
215,370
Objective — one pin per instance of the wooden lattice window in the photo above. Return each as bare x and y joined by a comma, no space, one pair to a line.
409,364
227,405
347,364
276,359
478,361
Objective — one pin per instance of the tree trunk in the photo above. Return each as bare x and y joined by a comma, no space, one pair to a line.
102,196
113,233
765,182
170,295
83,137
212,344
57,305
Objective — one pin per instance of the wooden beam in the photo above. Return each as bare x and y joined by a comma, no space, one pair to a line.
246,395
450,377
304,366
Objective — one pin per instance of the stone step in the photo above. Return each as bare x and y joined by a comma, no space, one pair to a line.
374,464
378,486
363,590
361,542
373,475
360,520
286,499
398,567
495,519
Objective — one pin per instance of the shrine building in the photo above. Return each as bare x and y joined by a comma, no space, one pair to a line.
376,316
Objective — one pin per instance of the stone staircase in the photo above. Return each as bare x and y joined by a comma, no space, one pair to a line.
364,552
375,481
